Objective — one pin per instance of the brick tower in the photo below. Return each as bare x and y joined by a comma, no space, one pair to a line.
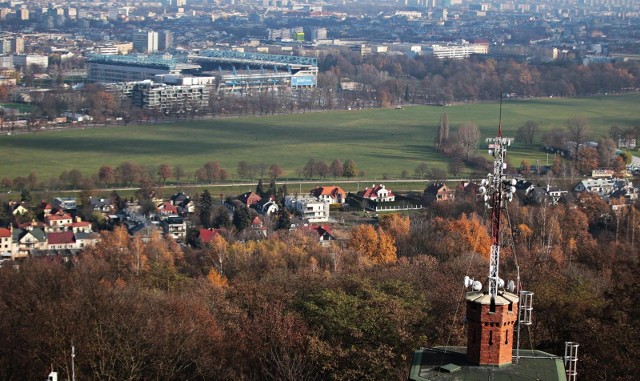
490,327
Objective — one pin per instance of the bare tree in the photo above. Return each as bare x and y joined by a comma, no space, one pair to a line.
468,137
528,132
578,130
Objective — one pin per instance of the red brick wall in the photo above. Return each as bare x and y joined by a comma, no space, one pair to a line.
490,335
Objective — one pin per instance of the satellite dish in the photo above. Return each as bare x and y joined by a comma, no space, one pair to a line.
482,190
467,282
476,286
514,181
500,283
511,286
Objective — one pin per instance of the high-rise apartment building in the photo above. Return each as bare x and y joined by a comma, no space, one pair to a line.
145,41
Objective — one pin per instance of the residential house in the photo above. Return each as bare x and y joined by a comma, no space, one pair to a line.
28,241
174,227
19,210
308,208
258,226
205,236
61,241
84,240
102,205
249,199
333,194
325,235
378,193
6,243
57,222
80,226
438,192
65,203
267,206
183,202
606,187
167,209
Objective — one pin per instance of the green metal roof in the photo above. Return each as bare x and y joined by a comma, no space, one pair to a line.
450,364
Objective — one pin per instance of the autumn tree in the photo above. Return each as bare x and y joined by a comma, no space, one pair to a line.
336,168
322,169
588,160
577,132
275,171
106,175
164,171
349,169
309,169
372,244
179,173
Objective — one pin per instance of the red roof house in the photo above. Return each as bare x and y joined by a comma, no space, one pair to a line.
378,193
334,194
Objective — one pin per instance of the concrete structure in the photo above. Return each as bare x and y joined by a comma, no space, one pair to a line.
165,40
308,208
26,60
145,41
458,51
110,69
151,95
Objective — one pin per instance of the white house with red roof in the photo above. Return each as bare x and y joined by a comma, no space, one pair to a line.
57,222
80,226
378,193
333,194
167,208
6,243
61,241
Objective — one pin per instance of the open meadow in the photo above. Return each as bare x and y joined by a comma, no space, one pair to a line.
381,141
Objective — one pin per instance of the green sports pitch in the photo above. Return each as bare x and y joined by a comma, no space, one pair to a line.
383,142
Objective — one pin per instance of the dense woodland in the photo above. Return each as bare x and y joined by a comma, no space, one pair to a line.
286,308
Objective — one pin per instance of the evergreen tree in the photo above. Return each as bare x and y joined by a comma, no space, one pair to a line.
442,132
205,205
283,221
241,218
260,188
221,219
271,192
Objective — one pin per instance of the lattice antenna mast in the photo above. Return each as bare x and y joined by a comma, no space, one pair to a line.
497,190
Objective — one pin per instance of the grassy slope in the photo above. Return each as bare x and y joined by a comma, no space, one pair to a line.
380,141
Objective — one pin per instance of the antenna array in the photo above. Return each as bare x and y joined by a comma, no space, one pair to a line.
497,189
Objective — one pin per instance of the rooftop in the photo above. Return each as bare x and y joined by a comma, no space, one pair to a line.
450,363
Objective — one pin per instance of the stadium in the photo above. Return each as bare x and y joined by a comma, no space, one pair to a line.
234,72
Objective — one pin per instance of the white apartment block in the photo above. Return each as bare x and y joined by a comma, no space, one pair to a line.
309,208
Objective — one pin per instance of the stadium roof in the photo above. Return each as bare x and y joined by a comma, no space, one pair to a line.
156,60
232,56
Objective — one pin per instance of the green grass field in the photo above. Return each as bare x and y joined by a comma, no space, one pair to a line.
380,141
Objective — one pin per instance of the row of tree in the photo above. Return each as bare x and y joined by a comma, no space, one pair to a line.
128,174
